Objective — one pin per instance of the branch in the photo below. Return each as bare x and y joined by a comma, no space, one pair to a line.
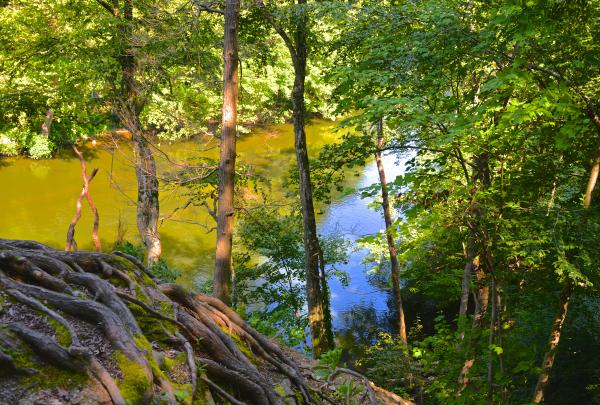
559,76
279,29
208,7
459,156
113,11
86,191
71,244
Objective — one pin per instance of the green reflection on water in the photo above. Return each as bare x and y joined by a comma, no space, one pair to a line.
38,197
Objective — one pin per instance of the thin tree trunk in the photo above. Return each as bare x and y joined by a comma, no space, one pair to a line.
86,192
587,199
469,264
47,123
387,215
71,244
491,338
565,298
145,166
595,170
225,210
480,178
483,296
318,308
319,317
557,325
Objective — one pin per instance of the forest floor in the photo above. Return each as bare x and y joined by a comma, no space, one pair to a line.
95,328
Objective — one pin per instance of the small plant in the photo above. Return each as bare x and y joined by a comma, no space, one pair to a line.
390,364
124,246
205,286
270,272
164,273
328,362
349,390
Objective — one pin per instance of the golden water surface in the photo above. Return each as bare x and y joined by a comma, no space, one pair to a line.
38,197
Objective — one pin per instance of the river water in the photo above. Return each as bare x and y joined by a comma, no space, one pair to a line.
38,202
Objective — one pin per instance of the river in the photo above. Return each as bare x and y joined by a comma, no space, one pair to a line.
39,201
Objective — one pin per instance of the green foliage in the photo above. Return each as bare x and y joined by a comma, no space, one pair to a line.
270,274
163,272
14,140
496,100
161,269
495,103
328,362
136,251
41,147
8,146
53,58
390,365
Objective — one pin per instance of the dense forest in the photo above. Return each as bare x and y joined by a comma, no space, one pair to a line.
471,129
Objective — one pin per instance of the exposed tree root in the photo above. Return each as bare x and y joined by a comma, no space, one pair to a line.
140,320
95,321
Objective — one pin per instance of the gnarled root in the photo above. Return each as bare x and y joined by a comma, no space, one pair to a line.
141,323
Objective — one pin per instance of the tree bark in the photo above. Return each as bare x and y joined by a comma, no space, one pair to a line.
145,165
476,250
147,201
555,333
225,209
387,215
318,309
595,170
466,279
565,298
47,123
71,244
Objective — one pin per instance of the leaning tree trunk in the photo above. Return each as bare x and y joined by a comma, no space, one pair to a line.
99,327
145,166
567,292
225,210
553,341
387,215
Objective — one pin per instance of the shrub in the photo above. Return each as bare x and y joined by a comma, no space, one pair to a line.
8,147
136,251
41,147
164,273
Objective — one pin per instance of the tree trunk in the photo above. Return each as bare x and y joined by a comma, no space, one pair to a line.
565,298
595,170
387,215
47,123
145,166
476,249
147,202
318,309
491,339
555,333
466,279
225,210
